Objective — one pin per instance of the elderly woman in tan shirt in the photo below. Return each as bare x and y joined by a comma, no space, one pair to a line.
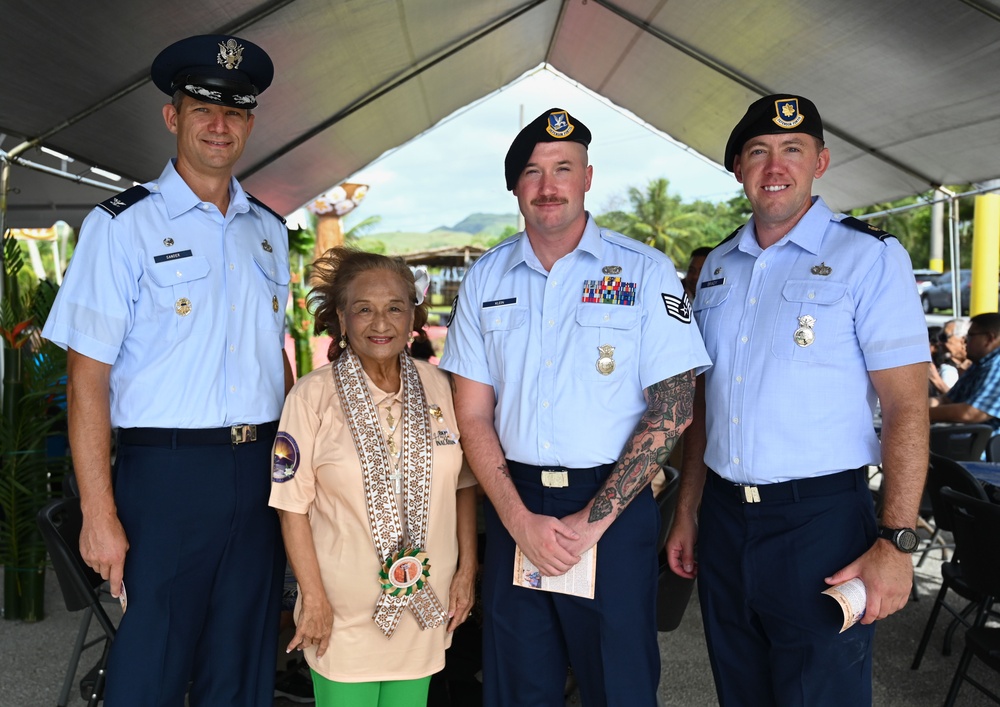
377,506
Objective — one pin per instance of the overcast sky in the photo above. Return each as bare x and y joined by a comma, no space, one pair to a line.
456,168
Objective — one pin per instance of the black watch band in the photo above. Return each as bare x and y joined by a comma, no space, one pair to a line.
903,539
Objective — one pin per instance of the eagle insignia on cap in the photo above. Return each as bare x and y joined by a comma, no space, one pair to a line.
230,54
787,113
559,125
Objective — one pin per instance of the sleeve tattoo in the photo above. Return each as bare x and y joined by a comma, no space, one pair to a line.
669,407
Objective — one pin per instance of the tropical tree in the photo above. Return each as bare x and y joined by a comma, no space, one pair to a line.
662,220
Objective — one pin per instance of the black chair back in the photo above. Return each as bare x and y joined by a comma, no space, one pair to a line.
993,449
962,442
976,527
944,472
60,522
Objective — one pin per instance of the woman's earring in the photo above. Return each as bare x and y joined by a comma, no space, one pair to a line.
343,341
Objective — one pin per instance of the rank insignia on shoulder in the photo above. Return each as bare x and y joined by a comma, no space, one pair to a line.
118,203
254,200
859,225
821,269
677,307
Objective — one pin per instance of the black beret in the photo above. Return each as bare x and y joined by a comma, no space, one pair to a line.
214,68
771,115
553,125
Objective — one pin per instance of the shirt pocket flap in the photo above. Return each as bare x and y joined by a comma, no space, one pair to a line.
709,297
813,291
502,318
609,316
175,272
272,270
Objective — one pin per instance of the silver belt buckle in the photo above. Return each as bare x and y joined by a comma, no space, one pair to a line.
750,494
243,433
555,479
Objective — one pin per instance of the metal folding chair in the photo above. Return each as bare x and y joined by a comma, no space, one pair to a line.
60,522
976,529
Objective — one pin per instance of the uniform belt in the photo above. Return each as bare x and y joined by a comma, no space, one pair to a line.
558,476
794,489
166,437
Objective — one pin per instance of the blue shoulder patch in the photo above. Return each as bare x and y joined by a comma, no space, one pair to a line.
859,225
261,204
119,202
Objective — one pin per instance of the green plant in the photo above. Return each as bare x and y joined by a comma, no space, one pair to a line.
33,387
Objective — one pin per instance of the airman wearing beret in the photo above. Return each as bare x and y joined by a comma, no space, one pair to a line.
172,313
572,352
810,315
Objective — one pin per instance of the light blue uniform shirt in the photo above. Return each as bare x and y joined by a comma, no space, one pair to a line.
530,334
121,302
777,410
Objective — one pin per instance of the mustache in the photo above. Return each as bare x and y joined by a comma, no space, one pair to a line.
542,201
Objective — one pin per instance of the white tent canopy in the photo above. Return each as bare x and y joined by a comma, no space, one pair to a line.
909,89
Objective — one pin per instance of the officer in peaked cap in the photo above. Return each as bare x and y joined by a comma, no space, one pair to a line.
572,351
172,313
810,315
214,68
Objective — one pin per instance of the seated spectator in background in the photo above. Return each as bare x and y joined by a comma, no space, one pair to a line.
690,280
950,359
976,395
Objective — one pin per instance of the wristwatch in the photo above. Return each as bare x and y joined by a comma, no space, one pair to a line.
903,539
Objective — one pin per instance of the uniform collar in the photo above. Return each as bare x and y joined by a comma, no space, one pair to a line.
808,233
179,198
521,252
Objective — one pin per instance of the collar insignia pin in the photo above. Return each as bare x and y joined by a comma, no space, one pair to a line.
821,269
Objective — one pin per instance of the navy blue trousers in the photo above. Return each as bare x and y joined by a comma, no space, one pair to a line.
772,636
530,637
203,575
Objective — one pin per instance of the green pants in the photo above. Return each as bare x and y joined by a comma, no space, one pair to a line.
389,693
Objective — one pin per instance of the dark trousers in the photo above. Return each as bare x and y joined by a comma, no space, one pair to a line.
203,576
530,637
772,636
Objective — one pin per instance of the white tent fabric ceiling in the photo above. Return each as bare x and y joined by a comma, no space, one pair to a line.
909,89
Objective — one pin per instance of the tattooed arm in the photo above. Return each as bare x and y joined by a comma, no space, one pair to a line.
668,411
537,535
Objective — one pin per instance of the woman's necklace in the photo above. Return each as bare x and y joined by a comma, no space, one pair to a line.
391,424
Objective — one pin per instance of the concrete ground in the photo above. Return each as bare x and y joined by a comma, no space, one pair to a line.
34,657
